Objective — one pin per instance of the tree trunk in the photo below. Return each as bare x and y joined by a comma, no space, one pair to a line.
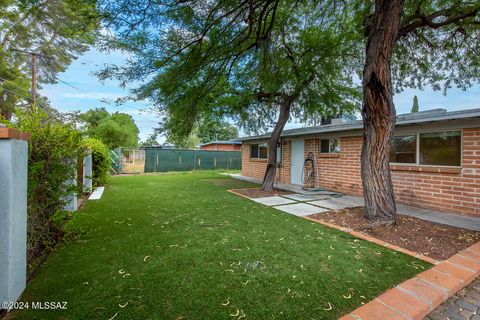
379,111
269,178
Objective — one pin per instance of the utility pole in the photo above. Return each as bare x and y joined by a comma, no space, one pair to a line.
34,81
34,56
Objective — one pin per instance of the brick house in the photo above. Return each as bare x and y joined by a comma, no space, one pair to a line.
229,145
435,158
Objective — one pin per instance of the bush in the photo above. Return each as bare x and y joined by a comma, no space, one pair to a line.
51,164
100,160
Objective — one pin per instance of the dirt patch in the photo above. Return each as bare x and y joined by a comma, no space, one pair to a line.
257,193
434,240
226,182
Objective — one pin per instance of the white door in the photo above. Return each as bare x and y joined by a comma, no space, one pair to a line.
296,163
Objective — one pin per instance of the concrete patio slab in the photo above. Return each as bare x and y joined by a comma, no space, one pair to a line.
300,209
451,219
305,197
332,204
411,211
273,201
355,201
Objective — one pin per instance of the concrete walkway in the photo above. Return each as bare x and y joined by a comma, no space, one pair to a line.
334,201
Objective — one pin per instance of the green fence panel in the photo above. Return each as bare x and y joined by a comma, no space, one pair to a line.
162,160
235,160
221,160
186,160
205,160
150,160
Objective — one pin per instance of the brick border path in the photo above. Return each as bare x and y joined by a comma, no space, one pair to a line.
464,305
417,297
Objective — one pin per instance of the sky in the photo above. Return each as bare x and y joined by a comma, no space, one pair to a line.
90,92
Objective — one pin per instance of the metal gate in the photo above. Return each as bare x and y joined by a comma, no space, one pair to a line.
133,160
115,162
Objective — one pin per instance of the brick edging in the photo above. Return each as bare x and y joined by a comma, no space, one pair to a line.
239,194
376,241
417,297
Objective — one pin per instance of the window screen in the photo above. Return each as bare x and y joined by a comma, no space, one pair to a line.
254,151
334,146
258,151
262,151
329,146
441,148
404,149
325,146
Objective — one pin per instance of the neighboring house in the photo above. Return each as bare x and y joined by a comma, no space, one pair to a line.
435,158
222,145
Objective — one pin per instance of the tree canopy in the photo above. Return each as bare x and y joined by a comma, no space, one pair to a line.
211,129
152,140
114,130
57,30
213,62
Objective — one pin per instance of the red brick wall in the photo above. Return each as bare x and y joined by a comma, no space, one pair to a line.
448,189
222,147
256,167
338,171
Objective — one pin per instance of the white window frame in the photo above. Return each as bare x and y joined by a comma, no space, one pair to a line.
329,142
417,151
258,144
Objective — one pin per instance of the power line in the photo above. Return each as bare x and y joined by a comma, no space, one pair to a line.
105,100
27,96
34,56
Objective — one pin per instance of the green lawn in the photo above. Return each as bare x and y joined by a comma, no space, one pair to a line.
178,246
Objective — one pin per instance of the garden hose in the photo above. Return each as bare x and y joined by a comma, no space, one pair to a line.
308,176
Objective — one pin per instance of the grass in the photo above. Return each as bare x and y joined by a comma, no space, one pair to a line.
180,247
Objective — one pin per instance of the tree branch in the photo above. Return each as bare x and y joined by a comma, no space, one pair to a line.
419,20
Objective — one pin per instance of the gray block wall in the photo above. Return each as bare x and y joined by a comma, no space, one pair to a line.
13,218
71,202
87,173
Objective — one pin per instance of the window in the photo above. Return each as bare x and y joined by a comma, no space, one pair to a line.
431,149
258,151
329,146
441,148
404,149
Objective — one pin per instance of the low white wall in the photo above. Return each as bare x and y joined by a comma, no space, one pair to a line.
13,218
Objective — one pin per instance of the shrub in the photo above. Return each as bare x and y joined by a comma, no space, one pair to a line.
51,164
100,160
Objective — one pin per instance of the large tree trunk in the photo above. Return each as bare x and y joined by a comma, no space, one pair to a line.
269,178
379,111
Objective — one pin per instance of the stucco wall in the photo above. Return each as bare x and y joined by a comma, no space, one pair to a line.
13,218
